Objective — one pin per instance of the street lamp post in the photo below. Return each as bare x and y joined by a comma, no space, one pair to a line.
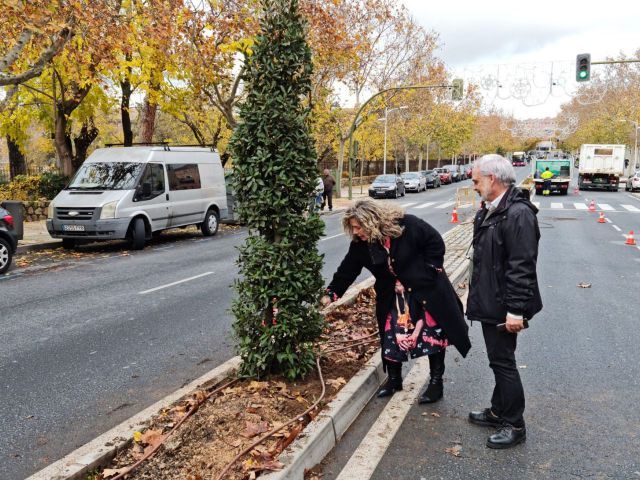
387,111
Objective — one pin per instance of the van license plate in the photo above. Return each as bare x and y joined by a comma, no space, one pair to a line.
73,228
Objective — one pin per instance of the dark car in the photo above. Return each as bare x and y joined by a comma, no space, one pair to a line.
456,174
387,186
432,178
8,240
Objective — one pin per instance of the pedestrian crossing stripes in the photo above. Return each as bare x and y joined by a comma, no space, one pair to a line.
605,207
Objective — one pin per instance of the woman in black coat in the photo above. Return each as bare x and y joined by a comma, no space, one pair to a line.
405,255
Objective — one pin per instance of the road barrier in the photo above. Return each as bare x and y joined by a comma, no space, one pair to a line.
465,197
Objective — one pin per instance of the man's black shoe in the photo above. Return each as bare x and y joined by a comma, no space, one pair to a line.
508,436
485,418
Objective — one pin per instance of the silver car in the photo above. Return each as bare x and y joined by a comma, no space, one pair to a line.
633,182
414,182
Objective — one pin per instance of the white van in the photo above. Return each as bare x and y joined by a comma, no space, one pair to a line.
132,192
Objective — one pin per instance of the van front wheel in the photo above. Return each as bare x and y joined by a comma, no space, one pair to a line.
137,234
68,243
210,225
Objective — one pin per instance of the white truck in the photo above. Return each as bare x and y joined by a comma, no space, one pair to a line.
601,166
558,163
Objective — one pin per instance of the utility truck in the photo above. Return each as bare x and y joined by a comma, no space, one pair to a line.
561,165
601,166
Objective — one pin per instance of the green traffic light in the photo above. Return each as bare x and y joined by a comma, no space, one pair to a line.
583,74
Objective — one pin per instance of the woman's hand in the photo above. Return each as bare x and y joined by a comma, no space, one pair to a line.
399,288
325,300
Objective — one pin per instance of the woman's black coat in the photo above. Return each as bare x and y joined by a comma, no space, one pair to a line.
415,255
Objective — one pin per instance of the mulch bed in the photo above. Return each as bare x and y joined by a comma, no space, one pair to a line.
235,415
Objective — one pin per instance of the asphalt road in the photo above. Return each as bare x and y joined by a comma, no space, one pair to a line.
90,339
579,362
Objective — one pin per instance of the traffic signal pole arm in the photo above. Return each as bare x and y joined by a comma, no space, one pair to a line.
356,122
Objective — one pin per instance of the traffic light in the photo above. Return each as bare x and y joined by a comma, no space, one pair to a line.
583,67
457,90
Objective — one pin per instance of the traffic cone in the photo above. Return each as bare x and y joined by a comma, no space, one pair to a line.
630,239
601,218
454,215
592,206
576,191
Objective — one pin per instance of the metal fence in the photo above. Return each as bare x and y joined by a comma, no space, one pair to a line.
5,171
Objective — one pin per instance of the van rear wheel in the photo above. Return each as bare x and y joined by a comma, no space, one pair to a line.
211,222
137,234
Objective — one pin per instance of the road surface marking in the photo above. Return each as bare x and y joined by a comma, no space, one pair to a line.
174,283
557,205
332,236
425,205
631,208
445,205
606,207
580,206
537,204
365,459
609,221
405,205
617,228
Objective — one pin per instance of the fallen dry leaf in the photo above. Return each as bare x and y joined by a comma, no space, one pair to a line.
253,429
336,383
584,285
434,414
152,437
111,472
455,450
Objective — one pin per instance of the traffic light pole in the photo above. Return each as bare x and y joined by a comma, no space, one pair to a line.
356,121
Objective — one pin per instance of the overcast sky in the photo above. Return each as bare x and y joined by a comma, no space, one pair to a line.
522,43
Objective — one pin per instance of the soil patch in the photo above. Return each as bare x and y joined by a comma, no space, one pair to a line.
236,415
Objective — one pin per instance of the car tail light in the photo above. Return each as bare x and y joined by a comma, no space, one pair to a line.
9,220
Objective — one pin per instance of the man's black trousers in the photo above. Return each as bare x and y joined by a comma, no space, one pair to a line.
327,198
507,400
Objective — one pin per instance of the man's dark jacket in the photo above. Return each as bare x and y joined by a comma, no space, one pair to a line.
505,252
415,256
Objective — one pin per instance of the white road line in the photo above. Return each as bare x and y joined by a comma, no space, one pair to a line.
174,283
617,228
606,207
537,204
608,220
365,459
445,205
405,205
631,208
332,236
425,205
580,206
557,205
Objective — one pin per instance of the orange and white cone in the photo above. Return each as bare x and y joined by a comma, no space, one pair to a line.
454,215
601,218
630,239
592,206
576,191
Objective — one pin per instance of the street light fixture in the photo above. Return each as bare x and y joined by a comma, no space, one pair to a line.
387,111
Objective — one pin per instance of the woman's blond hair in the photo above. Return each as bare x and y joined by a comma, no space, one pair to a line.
377,219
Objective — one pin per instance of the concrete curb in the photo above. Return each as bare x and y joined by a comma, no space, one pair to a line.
102,449
312,446
38,246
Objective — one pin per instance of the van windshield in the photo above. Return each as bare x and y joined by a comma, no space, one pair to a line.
106,176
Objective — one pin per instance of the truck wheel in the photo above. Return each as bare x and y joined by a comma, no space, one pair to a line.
137,234
68,243
5,255
210,225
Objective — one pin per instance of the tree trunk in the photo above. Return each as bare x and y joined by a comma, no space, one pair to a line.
406,157
88,133
17,160
63,144
428,143
420,152
149,110
338,187
127,133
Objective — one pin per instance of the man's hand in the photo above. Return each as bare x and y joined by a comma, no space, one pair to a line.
513,325
325,300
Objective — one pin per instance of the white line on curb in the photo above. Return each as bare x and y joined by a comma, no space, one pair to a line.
365,459
174,283
617,228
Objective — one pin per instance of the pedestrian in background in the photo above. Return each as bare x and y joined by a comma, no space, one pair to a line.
327,195
317,192
503,291
405,255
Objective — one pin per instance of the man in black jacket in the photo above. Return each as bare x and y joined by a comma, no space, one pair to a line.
503,291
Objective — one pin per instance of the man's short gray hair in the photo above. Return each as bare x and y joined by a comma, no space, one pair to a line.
498,166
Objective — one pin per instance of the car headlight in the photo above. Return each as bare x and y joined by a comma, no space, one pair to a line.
50,211
108,210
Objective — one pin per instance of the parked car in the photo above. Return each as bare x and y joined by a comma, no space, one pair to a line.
445,175
432,179
387,186
133,192
8,240
414,182
456,174
633,182
466,171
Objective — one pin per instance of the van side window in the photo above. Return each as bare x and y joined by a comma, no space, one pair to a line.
154,176
183,176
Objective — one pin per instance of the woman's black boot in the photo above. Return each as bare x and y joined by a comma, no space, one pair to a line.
394,380
433,393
